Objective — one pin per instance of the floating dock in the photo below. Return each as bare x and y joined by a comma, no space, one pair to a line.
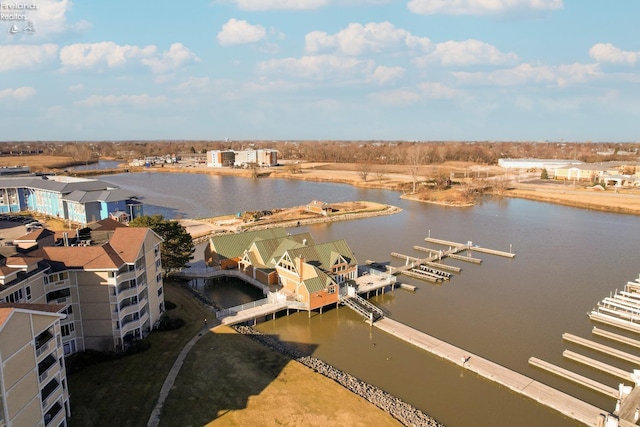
430,270
569,406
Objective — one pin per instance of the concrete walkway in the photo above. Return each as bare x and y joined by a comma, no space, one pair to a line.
154,419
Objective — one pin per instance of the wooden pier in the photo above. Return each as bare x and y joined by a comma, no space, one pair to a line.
430,270
567,405
620,310
602,348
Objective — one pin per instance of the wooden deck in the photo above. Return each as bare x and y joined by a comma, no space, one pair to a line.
545,395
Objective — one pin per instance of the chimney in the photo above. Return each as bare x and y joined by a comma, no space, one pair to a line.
65,238
300,265
304,242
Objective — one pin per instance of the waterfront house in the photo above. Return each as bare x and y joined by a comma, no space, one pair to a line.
319,207
259,260
316,275
225,251
33,390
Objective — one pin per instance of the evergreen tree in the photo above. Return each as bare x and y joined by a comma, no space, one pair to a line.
177,247
544,174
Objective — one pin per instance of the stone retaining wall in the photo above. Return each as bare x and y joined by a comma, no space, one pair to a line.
403,412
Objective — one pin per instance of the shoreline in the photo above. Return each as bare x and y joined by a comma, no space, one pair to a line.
626,202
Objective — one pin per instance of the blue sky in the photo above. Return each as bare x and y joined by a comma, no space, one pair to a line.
506,70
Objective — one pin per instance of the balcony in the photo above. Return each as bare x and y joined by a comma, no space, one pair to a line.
53,414
43,343
45,367
129,309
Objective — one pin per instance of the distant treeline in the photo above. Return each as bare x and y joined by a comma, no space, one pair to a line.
374,152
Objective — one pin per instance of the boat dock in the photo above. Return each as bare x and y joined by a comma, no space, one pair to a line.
435,272
521,384
622,311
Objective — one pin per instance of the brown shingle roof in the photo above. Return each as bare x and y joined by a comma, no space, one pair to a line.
127,242
87,257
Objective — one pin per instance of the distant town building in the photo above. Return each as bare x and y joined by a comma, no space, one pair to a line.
243,158
549,164
220,158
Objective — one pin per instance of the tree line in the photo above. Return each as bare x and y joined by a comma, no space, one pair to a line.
371,152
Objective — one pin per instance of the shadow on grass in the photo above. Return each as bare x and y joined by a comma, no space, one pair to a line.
223,371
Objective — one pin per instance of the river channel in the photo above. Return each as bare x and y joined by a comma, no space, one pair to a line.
505,310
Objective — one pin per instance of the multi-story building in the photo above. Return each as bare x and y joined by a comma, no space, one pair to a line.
220,158
110,286
75,199
33,382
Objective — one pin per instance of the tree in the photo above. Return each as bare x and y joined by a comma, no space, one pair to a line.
177,247
363,170
544,174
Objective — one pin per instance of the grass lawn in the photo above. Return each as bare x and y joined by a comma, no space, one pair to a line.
230,380
227,379
123,392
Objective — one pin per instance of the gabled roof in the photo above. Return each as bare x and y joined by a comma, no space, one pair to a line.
128,242
82,196
6,310
319,280
83,257
35,235
324,255
270,250
231,246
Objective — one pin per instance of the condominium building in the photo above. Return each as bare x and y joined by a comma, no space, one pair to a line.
110,286
75,199
33,382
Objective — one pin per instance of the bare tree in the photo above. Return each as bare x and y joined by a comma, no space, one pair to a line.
380,175
363,170
414,154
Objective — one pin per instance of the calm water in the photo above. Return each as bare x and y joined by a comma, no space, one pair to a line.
505,310
100,164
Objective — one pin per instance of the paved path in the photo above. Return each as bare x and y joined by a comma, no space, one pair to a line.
154,419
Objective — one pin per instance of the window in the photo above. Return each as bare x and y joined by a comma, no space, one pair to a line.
159,291
28,292
159,278
67,329
156,251
331,290
15,297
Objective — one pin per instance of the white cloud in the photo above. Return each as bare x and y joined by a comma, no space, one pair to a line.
480,7
436,90
467,52
524,74
19,94
177,56
76,88
140,101
319,67
400,97
15,57
90,55
256,5
385,75
606,52
240,32
357,39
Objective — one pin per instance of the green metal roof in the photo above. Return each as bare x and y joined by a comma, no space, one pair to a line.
318,283
231,246
271,250
324,255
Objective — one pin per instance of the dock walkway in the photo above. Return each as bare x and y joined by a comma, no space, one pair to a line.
555,399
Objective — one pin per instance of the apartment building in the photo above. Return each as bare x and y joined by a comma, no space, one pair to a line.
33,383
76,199
110,286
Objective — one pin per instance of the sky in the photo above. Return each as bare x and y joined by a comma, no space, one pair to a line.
466,70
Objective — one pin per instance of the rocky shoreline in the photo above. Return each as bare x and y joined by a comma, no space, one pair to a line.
402,411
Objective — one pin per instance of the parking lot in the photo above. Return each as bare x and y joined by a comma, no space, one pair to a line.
14,226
